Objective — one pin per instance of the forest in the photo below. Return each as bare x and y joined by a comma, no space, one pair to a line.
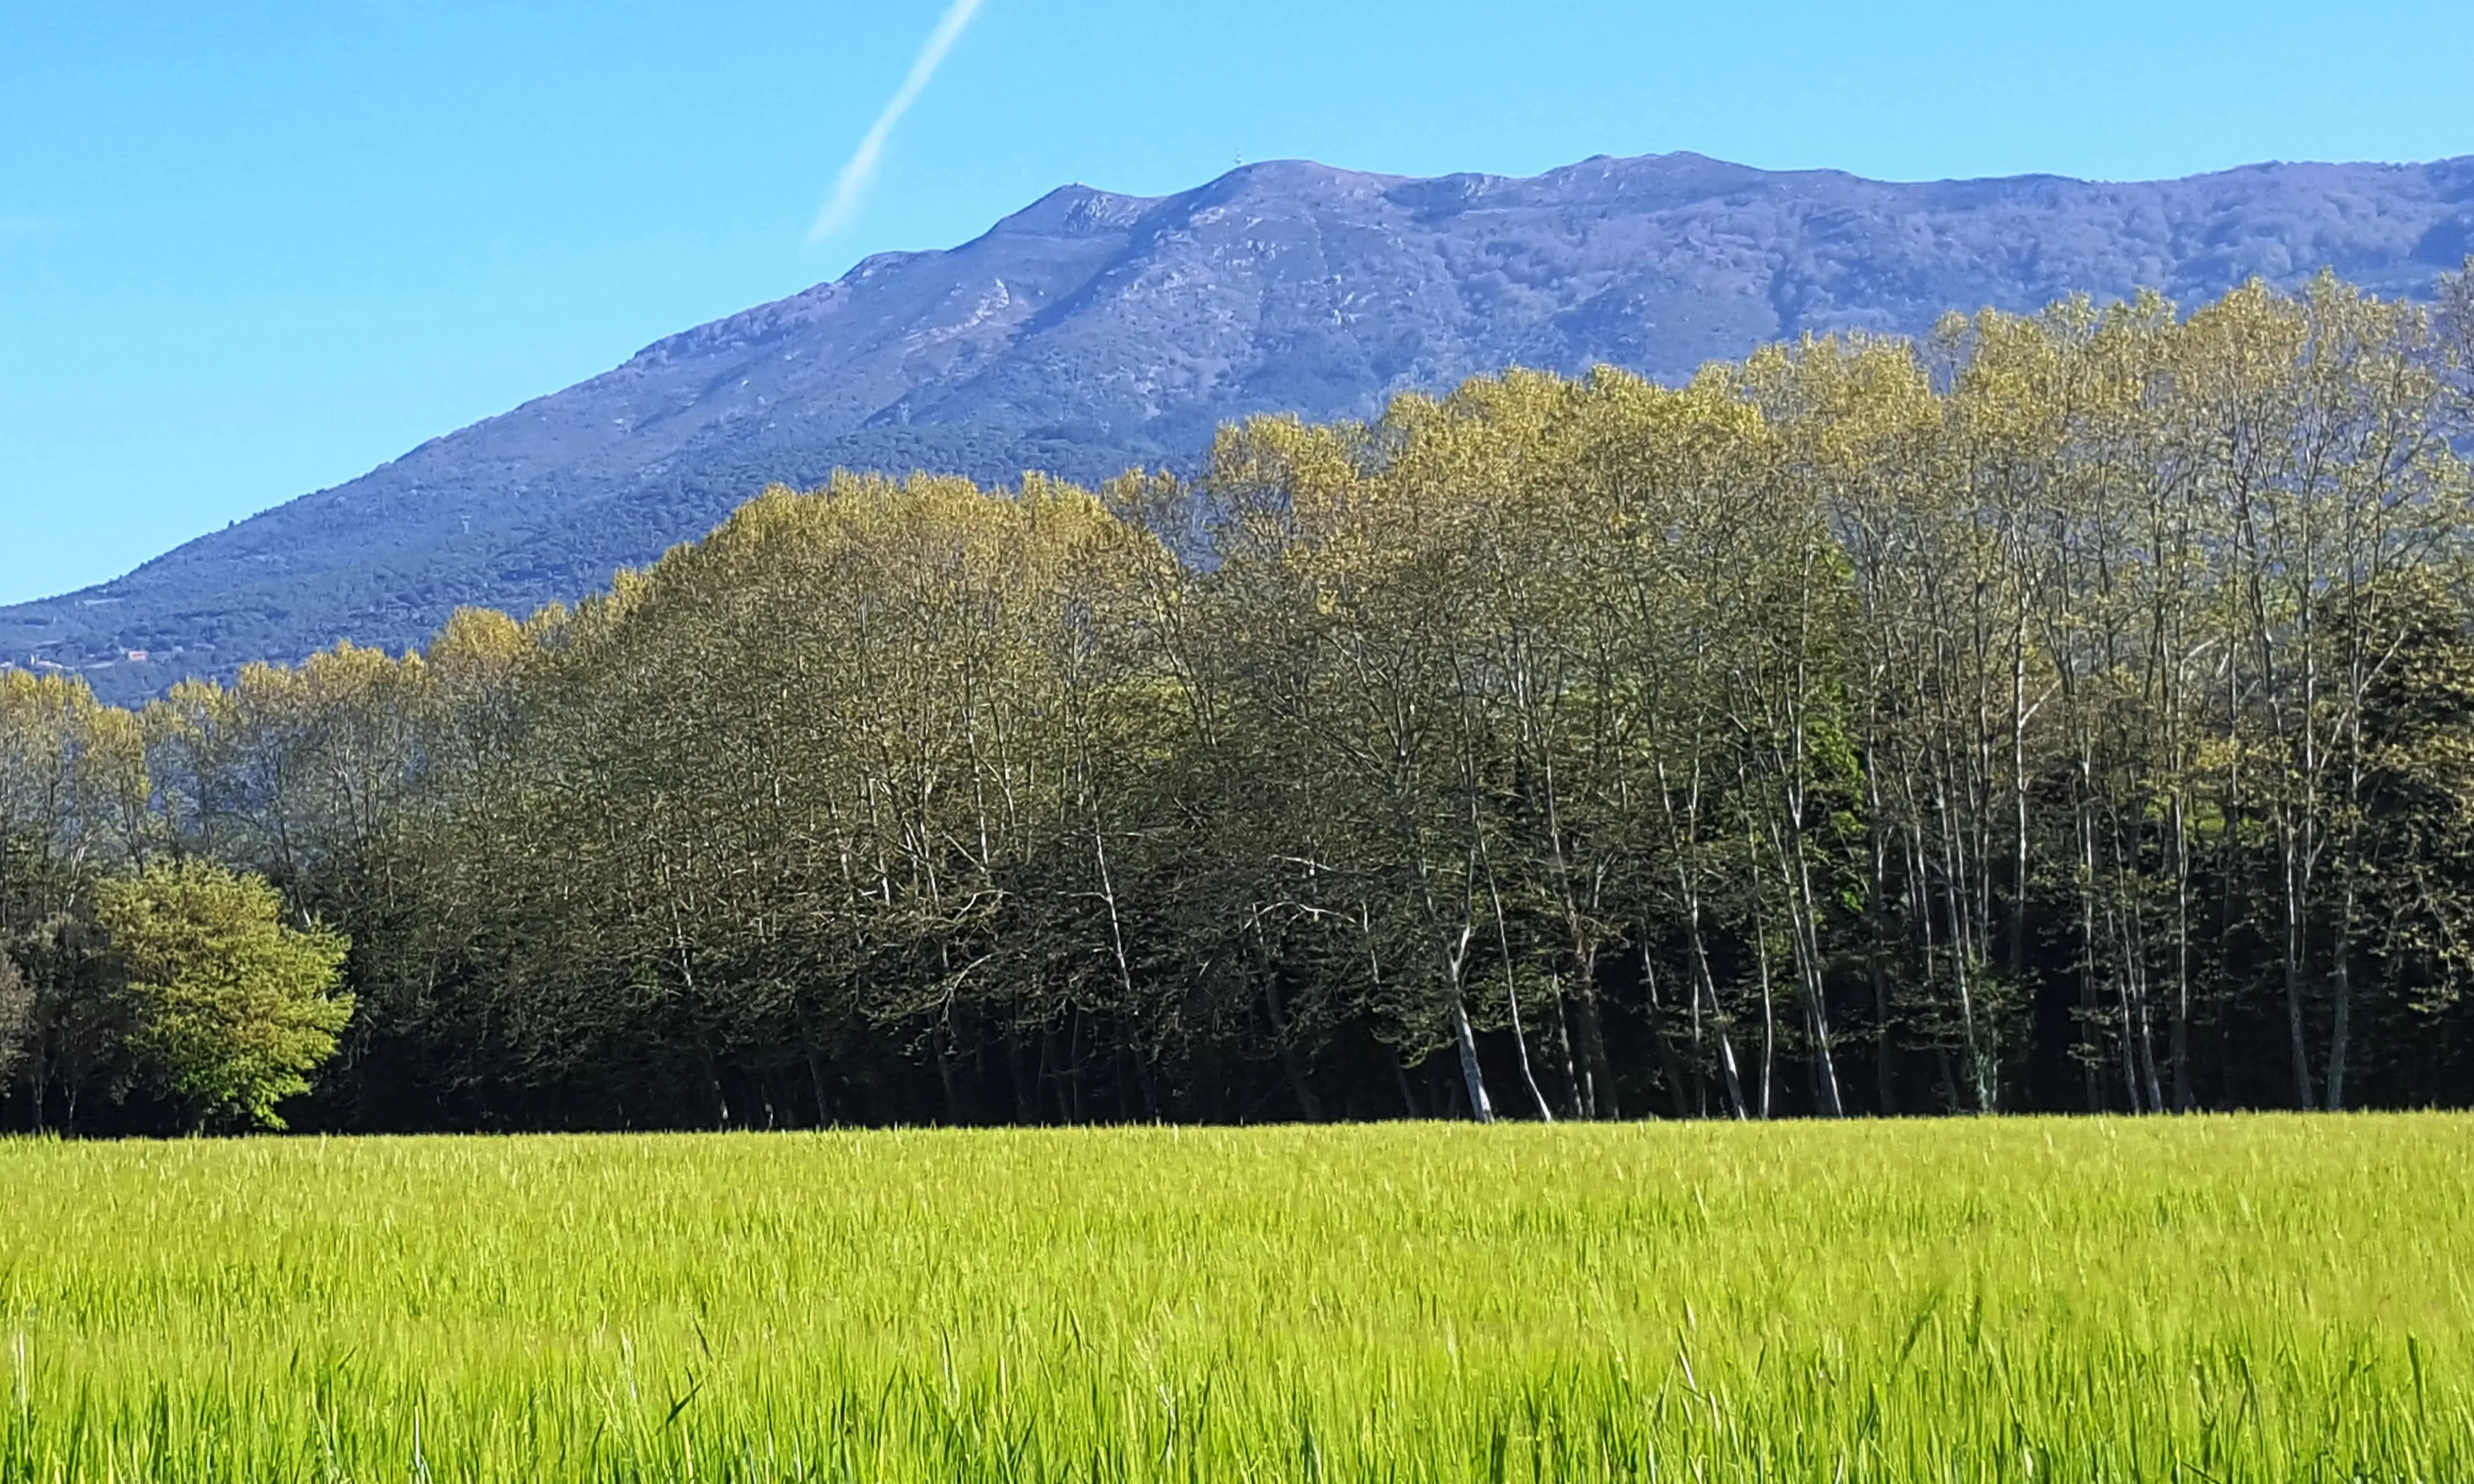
2067,712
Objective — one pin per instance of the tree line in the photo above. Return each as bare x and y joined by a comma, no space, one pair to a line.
2069,712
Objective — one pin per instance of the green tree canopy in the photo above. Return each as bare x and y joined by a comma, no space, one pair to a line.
236,1009
2066,711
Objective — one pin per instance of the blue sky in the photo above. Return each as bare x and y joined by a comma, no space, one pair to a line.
251,249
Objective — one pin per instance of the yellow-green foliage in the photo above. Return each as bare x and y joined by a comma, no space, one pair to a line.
2263,1298
236,1007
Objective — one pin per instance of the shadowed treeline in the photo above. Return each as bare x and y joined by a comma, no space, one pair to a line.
2068,712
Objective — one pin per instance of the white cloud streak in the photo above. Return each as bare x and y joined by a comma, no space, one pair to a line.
850,187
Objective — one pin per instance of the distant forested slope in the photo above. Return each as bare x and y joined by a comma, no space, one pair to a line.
1091,332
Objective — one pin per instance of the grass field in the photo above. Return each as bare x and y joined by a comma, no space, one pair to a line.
2217,1300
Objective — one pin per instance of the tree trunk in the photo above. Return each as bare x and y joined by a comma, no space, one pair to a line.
1511,997
2294,945
1599,1067
1464,1040
2340,984
1877,917
2180,1050
1309,1107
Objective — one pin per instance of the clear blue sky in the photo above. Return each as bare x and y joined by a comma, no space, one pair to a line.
249,249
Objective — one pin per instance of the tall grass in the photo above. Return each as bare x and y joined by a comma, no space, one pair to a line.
2260,1299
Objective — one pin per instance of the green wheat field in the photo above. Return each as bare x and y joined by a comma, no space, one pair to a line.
2203,1299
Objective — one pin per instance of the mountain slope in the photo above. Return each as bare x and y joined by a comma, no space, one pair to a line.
1092,331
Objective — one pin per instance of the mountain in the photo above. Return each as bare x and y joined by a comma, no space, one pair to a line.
1091,331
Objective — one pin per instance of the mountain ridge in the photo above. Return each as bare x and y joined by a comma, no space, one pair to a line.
1091,331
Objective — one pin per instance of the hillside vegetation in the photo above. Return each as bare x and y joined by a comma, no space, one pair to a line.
2065,711
1091,332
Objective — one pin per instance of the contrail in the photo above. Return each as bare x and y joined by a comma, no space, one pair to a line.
860,173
